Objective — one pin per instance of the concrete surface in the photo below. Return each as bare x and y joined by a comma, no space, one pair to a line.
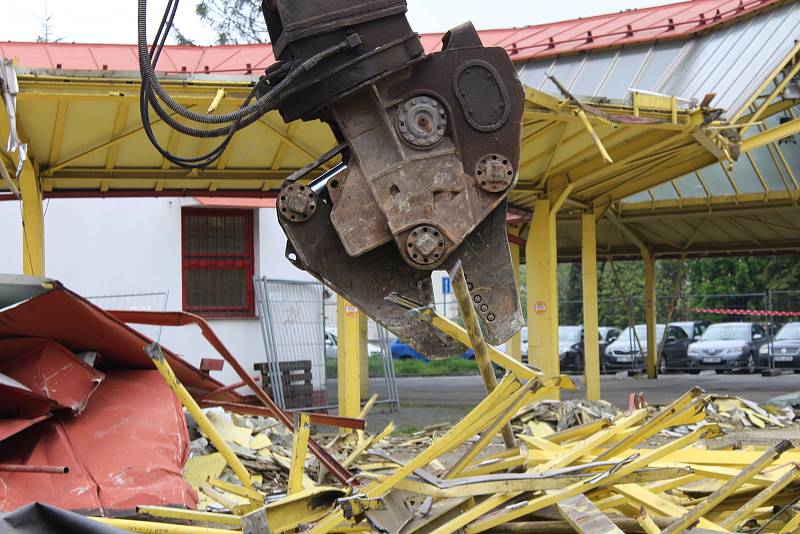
429,400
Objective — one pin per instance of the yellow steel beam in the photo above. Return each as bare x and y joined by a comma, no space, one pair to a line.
58,130
734,520
55,166
467,427
710,502
352,350
542,303
166,512
216,439
119,124
299,451
771,135
768,80
471,524
30,189
470,318
152,527
591,344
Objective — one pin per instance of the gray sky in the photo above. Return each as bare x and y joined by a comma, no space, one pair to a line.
114,21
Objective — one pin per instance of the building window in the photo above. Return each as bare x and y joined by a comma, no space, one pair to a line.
218,262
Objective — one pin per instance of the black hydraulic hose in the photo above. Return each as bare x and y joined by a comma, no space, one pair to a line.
259,106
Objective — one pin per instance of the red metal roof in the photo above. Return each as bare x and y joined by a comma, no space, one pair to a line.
530,42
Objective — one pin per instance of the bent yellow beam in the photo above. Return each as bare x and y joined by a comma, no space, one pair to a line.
157,357
299,450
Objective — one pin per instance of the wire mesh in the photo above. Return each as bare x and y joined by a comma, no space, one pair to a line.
155,301
299,329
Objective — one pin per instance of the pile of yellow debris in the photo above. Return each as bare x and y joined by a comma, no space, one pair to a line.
605,474
593,477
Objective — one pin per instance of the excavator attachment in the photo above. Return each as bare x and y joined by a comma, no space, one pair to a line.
430,148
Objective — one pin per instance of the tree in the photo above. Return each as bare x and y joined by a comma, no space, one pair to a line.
234,21
46,21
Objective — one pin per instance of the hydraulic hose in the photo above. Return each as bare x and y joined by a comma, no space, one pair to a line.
260,106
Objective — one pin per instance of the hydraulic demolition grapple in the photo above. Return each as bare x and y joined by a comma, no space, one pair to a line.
430,149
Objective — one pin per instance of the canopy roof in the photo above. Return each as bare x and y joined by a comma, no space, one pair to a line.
640,78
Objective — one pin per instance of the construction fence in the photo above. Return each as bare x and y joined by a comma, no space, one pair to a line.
299,329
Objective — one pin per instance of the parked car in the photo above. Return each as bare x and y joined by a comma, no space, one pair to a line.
677,360
729,346
571,345
625,353
523,341
404,351
785,348
332,346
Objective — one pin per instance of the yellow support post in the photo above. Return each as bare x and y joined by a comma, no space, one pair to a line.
542,305
514,345
352,351
591,344
299,450
650,311
32,221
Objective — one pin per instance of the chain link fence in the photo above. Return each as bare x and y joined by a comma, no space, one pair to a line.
299,329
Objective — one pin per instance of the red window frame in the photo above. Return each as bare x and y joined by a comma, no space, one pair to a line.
219,260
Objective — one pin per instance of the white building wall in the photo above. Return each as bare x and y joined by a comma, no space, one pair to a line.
124,246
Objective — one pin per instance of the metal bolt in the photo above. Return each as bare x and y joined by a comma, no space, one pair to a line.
426,244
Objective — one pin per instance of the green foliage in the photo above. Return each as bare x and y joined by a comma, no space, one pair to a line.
705,283
450,367
234,21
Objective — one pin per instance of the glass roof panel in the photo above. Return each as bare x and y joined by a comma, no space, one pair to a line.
745,176
690,186
716,181
620,79
593,73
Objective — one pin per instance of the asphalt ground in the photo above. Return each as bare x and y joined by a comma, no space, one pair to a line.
429,400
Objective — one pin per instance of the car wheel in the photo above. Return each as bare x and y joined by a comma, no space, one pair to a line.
694,371
662,366
719,371
751,364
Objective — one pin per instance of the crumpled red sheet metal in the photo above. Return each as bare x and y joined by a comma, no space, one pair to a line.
49,369
79,325
127,448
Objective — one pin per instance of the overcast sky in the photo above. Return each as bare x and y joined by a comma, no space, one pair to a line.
114,21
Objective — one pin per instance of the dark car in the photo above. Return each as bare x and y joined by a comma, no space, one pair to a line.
784,348
571,347
728,347
676,360
625,354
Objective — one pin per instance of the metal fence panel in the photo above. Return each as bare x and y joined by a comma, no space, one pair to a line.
299,329
155,301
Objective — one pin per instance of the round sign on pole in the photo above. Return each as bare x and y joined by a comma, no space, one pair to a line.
540,307
350,310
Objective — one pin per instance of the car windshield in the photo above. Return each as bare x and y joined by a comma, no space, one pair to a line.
789,331
641,332
727,332
569,334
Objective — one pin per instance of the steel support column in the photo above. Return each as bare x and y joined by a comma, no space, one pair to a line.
650,310
514,345
32,221
542,305
352,350
591,344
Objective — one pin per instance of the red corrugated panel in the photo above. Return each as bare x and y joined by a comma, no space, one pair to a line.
543,40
